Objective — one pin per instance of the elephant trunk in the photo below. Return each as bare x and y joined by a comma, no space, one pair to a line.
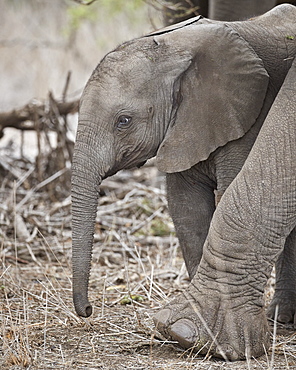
86,178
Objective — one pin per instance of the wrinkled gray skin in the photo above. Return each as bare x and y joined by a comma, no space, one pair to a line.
247,234
221,10
195,96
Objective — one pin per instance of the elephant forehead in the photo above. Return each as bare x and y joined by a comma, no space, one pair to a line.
133,68
131,58
117,79
111,94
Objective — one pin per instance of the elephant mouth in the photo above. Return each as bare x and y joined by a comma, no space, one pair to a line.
141,164
109,173
116,168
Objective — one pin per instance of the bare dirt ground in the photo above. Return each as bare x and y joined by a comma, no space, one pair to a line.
137,266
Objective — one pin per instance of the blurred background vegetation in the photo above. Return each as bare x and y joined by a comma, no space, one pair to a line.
41,40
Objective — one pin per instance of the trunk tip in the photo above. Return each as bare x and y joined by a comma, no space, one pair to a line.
86,312
83,309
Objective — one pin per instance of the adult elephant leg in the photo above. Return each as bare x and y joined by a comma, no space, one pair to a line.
285,288
222,310
233,10
191,203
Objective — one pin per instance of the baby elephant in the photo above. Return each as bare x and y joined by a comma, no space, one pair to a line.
195,96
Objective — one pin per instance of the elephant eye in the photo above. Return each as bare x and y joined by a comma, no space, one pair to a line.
123,121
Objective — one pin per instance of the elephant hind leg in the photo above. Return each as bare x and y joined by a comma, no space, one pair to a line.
285,288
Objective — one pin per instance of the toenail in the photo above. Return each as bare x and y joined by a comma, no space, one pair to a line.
285,319
185,332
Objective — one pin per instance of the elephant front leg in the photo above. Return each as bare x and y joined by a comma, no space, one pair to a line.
221,312
191,203
285,288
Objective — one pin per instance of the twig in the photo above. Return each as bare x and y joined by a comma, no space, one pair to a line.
13,258
148,219
66,86
274,337
39,186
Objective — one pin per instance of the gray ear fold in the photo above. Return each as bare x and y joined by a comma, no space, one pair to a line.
222,93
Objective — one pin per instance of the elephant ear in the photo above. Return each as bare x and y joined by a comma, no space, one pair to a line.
220,94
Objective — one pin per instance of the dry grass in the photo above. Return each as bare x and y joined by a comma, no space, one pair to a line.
137,265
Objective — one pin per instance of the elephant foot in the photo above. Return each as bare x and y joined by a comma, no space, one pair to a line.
286,302
222,327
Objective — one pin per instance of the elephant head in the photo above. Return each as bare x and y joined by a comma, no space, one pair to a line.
177,94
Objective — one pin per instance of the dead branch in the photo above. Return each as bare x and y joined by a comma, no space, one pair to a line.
24,118
54,153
